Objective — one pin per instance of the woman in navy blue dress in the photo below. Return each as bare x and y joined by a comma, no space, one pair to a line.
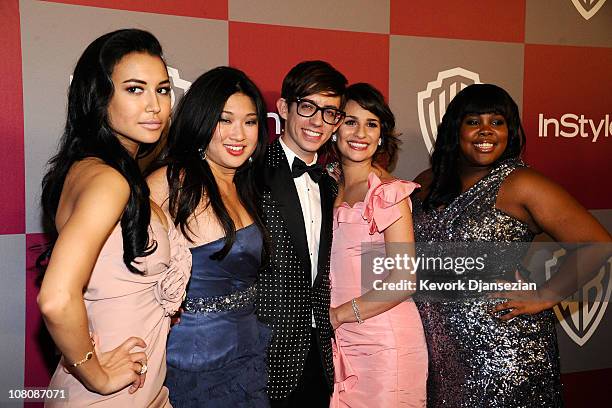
217,353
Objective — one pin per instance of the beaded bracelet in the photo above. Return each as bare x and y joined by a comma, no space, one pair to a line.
356,311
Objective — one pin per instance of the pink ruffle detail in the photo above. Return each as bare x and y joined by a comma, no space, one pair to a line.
171,286
346,214
380,209
345,377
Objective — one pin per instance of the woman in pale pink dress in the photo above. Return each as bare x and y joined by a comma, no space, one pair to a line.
118,268
380,354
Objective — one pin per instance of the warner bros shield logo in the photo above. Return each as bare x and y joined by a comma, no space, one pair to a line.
581,313
178,84
588,8
432,102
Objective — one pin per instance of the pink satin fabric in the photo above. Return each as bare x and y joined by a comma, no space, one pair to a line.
382,362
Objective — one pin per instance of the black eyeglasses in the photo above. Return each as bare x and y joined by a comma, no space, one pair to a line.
307,108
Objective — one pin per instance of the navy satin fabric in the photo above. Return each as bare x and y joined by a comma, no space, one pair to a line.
209,341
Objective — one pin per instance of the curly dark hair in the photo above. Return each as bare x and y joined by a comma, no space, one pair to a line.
475,99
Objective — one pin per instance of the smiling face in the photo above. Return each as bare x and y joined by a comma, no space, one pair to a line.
482,139
304,136
140,106
358,136
235,137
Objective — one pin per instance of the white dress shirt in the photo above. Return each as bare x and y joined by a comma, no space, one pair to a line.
310,201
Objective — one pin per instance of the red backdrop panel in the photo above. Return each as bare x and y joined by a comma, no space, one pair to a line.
12,173
570,84
266,53
492,20
216,9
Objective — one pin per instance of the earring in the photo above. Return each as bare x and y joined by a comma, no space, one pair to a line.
202,153
334,138
250,160
380,141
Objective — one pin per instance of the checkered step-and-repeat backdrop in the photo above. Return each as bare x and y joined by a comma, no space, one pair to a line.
553,56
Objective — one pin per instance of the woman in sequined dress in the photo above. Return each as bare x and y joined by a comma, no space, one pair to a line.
489,351
217,353
380,355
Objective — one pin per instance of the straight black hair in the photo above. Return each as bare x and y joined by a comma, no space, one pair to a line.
475,99
190,178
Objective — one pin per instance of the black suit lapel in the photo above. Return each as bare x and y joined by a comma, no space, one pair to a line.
282,189
327,209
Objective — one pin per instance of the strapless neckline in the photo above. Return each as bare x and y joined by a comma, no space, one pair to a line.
220,239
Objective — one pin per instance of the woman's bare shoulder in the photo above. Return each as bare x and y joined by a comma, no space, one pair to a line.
92,175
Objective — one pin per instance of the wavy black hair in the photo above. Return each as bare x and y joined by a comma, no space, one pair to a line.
87,133
475,99
190,178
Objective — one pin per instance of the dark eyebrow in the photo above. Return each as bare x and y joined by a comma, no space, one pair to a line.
324,107
231,113
140,81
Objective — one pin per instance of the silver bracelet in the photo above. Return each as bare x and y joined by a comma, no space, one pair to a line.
356,311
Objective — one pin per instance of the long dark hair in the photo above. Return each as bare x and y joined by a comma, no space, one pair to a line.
190,178
88,134
476,99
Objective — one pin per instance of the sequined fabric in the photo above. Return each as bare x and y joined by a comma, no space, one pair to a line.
234,301
475,359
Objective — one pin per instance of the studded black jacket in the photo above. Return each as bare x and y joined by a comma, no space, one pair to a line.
286,298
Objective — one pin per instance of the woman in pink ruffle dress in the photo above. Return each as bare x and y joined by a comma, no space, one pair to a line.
380,354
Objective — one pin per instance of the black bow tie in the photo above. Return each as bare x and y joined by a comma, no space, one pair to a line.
298,168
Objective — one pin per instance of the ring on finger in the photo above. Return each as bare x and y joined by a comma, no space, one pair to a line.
143,368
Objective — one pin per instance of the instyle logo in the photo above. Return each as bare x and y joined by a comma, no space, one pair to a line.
571,125
588,8
580,314
432,102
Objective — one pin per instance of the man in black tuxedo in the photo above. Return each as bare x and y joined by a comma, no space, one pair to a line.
298,197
